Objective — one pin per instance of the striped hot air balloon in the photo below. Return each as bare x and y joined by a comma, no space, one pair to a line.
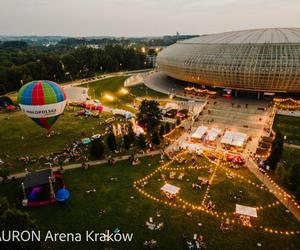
43,101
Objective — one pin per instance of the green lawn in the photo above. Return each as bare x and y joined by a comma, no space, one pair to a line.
289,127
112,86
129,214
15,125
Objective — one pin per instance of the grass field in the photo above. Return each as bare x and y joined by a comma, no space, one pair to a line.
128,210
125,207
113,86
289,127
35,142
16,125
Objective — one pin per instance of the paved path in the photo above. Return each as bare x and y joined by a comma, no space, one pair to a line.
280,195
291,146
134,80
91,163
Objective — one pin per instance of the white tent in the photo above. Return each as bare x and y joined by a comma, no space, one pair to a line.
168,188
245,210
78,94
213,134
199,133
234,138
191,147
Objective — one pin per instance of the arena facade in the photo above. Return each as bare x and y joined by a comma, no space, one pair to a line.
260,60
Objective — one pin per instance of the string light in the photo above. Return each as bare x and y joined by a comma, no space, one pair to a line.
182,204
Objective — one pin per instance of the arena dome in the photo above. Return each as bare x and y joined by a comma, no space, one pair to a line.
265,60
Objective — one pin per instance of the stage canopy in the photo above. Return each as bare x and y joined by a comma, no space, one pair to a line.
234,138
168,188
245,210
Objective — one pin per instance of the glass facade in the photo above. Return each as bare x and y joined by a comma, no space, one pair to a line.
269,66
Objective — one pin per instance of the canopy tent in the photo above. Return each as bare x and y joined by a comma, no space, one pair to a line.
168,188
76,94
37,178
118,112
199,133
5,101
213,134
234,138
246,210
191,147
85,141
93,105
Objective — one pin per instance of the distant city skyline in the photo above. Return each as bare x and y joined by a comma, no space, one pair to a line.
137,18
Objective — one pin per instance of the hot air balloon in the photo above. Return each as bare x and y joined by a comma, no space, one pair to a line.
43,101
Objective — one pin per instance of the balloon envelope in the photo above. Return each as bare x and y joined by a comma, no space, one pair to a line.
43,101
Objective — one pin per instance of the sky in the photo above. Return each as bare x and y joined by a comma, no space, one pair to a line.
143,17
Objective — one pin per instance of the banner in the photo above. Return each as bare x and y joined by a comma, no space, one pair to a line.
43,111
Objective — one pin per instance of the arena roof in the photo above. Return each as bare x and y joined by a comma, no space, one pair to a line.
254,36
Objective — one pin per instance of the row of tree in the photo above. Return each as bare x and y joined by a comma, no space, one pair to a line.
287,175
128,141
20,64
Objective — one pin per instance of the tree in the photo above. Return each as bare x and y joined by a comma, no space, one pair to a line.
97,148
161,131
111,141
276,151
294,177
281,174
297,193
155,138
279,141
127,142
4,172
167,128
178,121
131,133
149,115
14,219
3,205
141,141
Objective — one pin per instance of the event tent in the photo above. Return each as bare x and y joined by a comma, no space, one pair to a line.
191,147
246,210
199,133
38,178
213,134
168,188
234,138
76,94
